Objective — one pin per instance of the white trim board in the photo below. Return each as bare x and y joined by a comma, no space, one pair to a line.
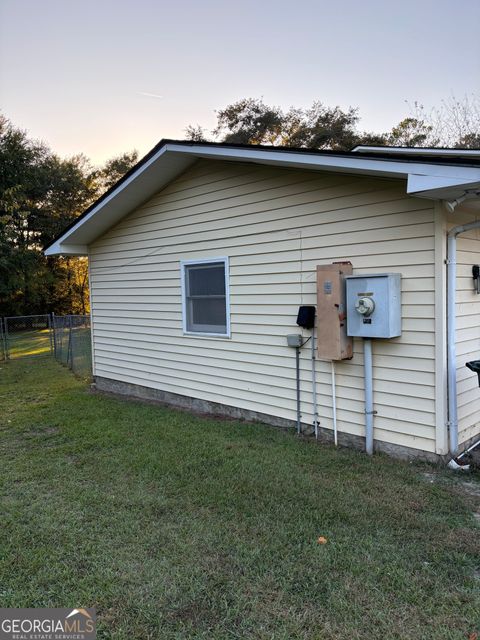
206,334
425,179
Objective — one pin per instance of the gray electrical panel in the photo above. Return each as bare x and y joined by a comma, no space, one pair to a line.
374,305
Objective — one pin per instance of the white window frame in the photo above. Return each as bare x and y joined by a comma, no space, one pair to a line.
183,265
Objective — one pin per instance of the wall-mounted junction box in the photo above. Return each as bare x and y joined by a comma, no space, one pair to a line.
333,343
374,305
295,340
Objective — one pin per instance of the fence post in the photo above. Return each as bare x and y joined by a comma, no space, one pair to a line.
49,327
4,348
69,352
53,335
7,352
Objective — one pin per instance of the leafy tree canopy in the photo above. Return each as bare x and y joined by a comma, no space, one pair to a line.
456,123
40,194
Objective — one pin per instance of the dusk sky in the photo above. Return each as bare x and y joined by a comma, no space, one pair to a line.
106,76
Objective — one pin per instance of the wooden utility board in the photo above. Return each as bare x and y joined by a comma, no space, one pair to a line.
332,340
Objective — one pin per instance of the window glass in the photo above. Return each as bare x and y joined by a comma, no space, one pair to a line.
205,280
205,301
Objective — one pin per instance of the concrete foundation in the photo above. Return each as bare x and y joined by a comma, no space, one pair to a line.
207,407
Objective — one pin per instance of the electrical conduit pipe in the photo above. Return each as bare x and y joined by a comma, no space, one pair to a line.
369,412
314,384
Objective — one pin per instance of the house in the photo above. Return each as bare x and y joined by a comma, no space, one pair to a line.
201,255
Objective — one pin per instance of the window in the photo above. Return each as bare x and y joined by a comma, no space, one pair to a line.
205,296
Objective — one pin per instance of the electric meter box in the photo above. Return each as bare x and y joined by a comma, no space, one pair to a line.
374,305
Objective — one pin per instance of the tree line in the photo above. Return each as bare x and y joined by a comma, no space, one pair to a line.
455,123
41,193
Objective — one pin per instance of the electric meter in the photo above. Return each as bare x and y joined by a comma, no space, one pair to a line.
365,306
374,305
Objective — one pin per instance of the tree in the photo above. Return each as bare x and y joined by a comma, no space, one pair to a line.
251,121
195,133
40,194
24,184
114,169
456,123
321,127
411,132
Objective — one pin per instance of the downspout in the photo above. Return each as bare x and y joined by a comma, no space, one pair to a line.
90,300
451,331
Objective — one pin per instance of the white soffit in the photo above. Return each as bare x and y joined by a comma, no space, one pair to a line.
424,179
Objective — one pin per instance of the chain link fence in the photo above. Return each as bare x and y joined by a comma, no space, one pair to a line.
72,344
26,336
67,338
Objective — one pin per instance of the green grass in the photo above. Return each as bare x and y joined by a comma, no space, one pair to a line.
29,343
176,526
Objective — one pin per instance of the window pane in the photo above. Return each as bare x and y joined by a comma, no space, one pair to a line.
205,297
207,315
205,280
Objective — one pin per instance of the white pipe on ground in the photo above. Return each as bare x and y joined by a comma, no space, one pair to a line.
334,405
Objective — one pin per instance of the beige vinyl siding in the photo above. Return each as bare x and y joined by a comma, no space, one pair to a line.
275,225
468,329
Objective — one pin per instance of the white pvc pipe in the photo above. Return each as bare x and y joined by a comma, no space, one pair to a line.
297,373
334,405
314,385
451,331
368,368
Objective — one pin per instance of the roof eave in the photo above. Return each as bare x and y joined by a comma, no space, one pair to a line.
418,151
59,248
169,159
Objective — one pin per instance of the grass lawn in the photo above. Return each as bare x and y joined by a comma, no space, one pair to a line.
176,526
29,343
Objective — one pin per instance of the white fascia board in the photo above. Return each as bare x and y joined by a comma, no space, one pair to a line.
438,187
347,164
59,249
150,178
416,151
113,194
172,159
